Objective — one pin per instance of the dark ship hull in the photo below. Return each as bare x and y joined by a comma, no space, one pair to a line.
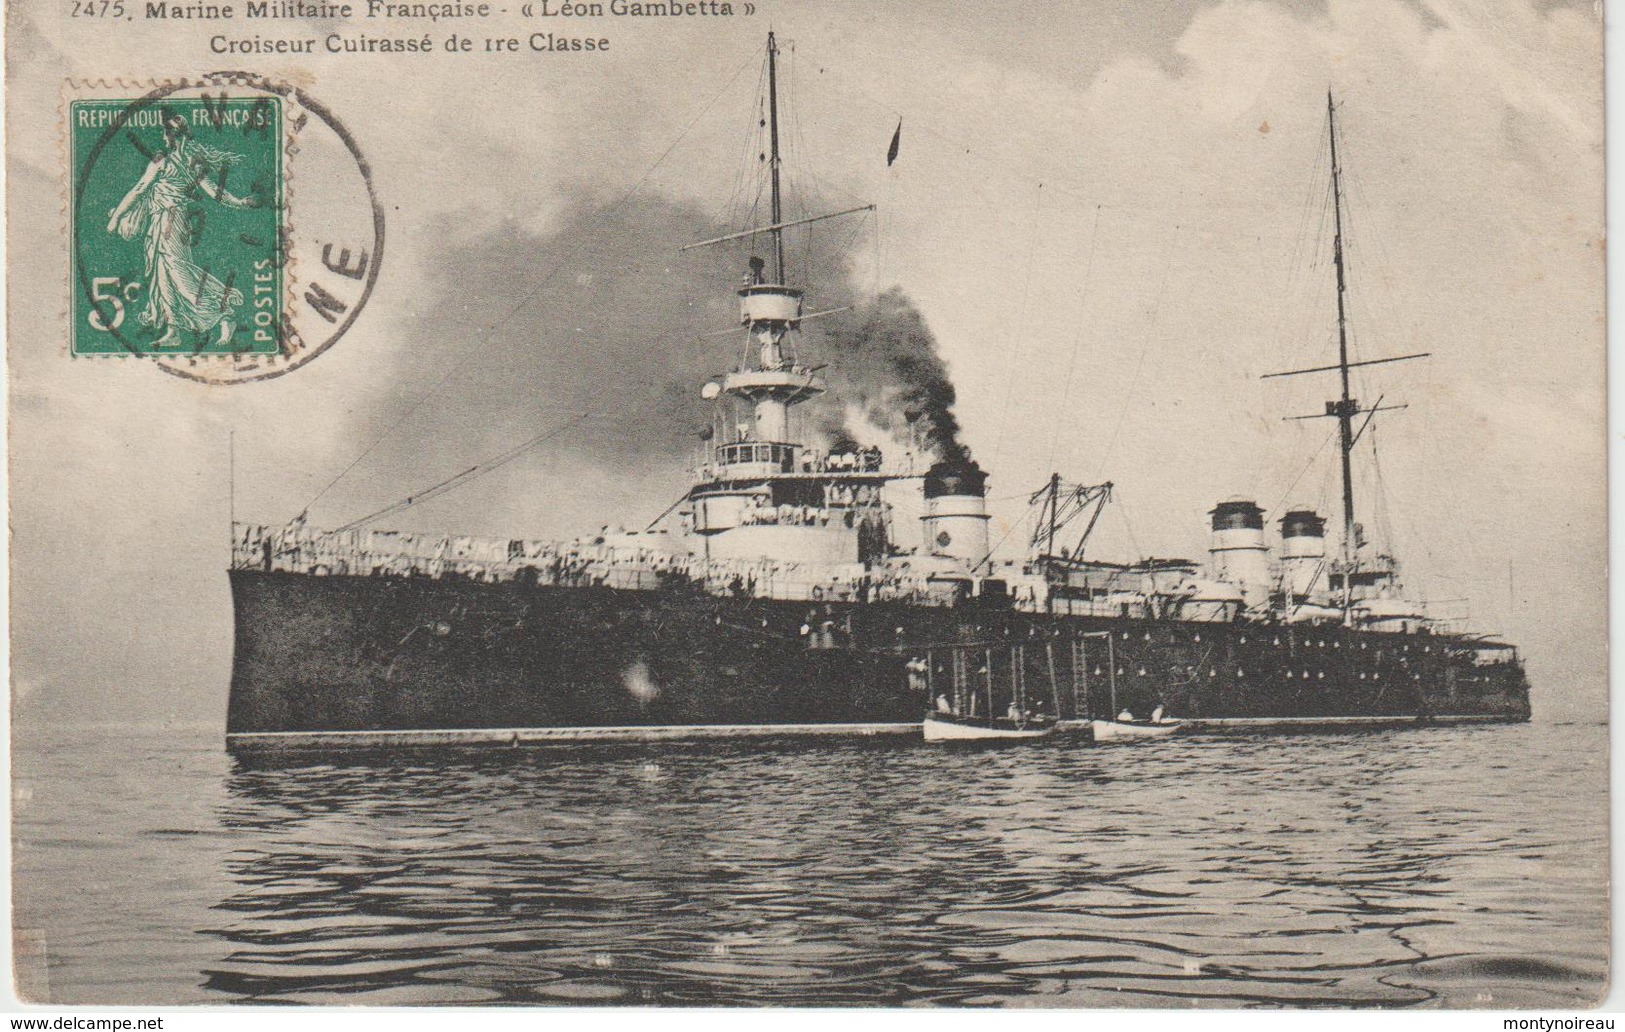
354,637
338,660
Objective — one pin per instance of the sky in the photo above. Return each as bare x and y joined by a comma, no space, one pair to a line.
1110,218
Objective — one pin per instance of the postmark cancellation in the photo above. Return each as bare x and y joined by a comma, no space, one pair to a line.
225,227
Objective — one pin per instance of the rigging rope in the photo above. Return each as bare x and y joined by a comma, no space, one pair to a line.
1145,347
1077,340
1021,323
1134,542
1306,468
558,266
467,476
1010,529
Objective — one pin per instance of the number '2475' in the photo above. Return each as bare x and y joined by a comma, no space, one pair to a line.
98,8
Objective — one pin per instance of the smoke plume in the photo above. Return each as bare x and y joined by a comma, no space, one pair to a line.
602,314
884,360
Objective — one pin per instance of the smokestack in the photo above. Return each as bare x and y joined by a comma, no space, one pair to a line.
956,510
1240,555
1303,551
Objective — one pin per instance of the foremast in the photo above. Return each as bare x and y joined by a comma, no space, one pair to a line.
762,492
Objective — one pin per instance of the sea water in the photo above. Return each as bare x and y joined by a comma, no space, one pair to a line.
1455,867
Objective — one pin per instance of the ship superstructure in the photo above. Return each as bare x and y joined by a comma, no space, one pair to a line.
777,596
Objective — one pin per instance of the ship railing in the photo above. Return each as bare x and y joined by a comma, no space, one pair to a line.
790,458
863,460
795,516
306,551
780,455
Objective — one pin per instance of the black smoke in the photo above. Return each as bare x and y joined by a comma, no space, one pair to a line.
603,313
884,359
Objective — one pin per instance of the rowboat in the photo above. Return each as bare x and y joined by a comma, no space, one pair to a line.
947,727
1109,730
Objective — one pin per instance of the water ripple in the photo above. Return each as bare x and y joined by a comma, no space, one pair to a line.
1415,868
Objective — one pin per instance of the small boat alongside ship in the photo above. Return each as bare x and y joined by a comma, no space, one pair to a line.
947,727
1118,729
780,595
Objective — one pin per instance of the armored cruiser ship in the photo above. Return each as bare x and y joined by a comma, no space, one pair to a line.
776,597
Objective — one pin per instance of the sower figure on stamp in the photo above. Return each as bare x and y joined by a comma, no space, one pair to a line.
181,296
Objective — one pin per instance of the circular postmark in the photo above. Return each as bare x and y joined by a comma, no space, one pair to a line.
226,227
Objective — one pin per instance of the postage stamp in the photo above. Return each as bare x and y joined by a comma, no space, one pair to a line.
177,226
224,227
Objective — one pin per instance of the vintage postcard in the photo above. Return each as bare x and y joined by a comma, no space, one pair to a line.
790,502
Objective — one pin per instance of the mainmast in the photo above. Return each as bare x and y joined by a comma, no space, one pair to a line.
1346,407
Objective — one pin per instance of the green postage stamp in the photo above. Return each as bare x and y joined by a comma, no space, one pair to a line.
224,228
178,206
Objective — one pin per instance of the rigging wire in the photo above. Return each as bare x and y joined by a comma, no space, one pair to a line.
744,164
1306,468
1077,339
1298,267
467,476
1139,364
1009,529
881,215
1021,323
558,266
1308,300
1128,526
967,146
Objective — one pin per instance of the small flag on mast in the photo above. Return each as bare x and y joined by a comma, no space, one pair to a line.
896,141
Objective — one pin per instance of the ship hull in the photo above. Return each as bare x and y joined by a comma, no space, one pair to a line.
365,660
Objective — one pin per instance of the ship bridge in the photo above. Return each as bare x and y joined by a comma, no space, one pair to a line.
761,493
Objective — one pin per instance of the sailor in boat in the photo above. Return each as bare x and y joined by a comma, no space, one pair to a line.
1125,717
1156,714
